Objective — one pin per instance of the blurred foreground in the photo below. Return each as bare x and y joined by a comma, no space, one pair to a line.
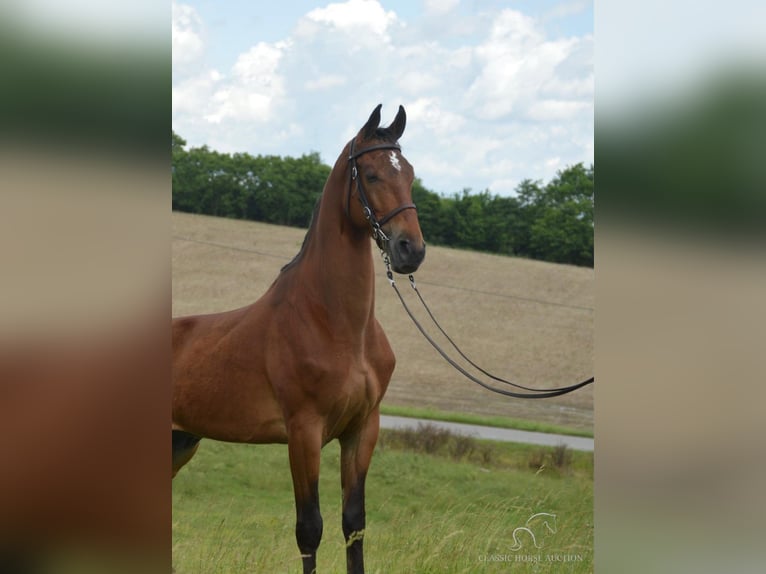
84,251
681,274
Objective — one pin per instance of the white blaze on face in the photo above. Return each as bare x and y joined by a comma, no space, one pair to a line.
394,161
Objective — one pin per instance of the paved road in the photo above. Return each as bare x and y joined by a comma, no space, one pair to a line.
493,433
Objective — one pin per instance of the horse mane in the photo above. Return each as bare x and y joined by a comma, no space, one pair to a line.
314,217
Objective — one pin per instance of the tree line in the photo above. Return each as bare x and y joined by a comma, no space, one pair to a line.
550,222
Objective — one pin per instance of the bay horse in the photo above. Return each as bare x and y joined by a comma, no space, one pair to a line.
308,362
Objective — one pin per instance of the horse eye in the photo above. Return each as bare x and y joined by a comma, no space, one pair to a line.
371,178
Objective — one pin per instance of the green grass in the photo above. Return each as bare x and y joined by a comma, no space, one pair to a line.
490,421
233,510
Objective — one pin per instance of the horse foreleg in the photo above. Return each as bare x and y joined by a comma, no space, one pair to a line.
304,446
356,453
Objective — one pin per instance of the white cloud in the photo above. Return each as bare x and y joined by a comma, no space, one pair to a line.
418,82
553,163
428,113
510,65
186,34
259,64
556,110
565,9
358,15
440,6
254,88
193,95
487,108
582,87
325,82
519,65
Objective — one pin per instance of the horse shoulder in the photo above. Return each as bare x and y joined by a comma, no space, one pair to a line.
380,354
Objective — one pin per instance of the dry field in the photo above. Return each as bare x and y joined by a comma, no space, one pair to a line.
528,321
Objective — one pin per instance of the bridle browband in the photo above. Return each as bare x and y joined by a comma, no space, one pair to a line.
369,213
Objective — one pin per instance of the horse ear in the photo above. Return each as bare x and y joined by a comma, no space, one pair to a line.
397,126
372,124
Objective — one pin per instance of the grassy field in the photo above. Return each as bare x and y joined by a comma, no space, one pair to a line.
435,502
525,320
452,511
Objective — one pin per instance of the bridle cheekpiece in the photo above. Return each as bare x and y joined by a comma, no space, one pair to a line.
369,213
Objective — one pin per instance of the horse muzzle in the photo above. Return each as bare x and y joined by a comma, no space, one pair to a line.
405,253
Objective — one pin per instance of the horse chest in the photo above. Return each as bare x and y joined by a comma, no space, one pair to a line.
365,381
351,395
355,375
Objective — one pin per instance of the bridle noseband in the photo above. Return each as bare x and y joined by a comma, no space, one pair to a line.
369,213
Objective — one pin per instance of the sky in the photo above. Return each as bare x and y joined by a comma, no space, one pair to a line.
495,91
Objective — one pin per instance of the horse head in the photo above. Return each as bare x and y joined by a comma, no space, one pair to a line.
381,179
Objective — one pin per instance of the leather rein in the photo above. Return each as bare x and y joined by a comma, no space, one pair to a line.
531,394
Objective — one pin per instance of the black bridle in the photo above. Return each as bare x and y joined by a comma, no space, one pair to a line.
382,239
369,213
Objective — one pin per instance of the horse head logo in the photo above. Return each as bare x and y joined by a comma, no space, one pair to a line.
534,528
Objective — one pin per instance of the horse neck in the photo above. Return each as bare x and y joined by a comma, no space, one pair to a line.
337,265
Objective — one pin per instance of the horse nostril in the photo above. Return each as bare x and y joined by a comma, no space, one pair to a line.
404,246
